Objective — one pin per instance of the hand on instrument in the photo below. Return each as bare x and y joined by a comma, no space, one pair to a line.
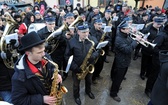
50,100
6,55
14,43
138,38
59,79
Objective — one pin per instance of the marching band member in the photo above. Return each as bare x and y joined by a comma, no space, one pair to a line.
124,46
79,46
31,81
146,60
97,32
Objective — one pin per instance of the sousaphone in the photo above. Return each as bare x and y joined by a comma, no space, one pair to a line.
10,27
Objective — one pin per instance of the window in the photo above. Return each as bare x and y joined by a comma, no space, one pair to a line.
104,3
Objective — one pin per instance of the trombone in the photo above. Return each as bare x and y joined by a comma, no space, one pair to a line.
142,41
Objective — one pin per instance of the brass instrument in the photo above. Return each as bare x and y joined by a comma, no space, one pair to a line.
86,67
9,28
102,51
51,38
56,90
77,20
142,41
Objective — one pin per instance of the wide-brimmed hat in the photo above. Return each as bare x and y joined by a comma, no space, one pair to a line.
30,40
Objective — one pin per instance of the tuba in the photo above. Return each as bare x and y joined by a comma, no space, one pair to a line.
51,38
86,67
9,29
56,89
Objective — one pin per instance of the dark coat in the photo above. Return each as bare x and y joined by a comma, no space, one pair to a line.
153,33
27,89
80,10
79,50
5,77
124,46
160,90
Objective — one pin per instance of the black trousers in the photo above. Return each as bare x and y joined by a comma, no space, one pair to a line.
153,75
146,63
117,80
76,84
98,67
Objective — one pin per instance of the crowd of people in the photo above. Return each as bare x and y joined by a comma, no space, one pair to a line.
77,31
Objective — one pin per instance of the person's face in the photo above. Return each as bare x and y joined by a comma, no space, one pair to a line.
145,18
70,19
37,16
96,11
98,26
107,14
23,16
83,35
125,30
37,53
32,18
51,26
157,25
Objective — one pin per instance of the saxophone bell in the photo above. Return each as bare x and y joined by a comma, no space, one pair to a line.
91,68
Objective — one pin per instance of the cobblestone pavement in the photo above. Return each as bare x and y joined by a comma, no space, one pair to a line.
132,92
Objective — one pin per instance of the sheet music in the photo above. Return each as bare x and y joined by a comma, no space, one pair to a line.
11,36
107,28
69,63
102,44
138,26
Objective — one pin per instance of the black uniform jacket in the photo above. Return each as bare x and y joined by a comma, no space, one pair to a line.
79,50
124,46
160,90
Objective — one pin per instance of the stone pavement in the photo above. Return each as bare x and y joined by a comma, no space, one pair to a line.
132,92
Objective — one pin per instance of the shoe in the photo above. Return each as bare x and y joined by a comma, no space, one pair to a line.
78,101
142,77
106,61
91,95
118,99
94,81
148,93
99,77
124,78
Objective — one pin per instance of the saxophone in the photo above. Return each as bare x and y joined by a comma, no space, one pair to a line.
86,67
56,89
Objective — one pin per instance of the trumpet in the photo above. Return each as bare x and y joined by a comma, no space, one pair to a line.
142,41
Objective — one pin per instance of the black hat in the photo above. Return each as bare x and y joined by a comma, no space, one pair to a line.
30,40
157,9
78,4
144,14
17,15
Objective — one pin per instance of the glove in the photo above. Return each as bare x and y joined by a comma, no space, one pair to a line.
6,55
14,43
